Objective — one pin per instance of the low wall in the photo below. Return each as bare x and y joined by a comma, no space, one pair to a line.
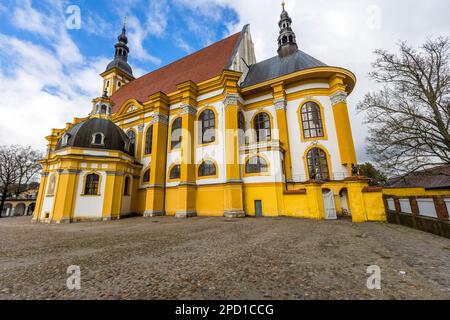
419,209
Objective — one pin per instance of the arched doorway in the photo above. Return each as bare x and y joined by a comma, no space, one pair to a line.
345,204
7,210
30,209
19,210
329,204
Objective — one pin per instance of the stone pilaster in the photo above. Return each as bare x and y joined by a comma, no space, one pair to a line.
233,192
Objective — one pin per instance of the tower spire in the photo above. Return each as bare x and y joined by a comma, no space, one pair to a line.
287,41
118,72
121,52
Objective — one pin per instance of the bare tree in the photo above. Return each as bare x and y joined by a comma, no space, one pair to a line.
18,167
409,118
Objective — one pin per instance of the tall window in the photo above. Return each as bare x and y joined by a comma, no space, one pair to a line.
312,121
126,190
132,136
318,165
261,124
92,184
256,165
206,169
207,130
146,177
241,127
175,172
149,140
51,185
176,134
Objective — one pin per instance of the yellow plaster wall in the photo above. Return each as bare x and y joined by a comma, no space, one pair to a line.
296,205
374,206
210,201
269,193
171,201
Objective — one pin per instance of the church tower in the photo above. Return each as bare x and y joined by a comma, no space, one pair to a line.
287,42
118,72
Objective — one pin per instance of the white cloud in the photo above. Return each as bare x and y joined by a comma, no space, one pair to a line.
136,35
95,25
43,86
182,44
157,17
50,25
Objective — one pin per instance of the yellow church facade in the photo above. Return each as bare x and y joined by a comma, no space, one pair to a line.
213,134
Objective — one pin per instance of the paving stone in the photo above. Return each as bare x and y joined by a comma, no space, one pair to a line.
210,258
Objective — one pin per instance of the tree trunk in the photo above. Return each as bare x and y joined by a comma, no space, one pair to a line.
2,201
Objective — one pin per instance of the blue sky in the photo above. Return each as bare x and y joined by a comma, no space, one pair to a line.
189,29
49,73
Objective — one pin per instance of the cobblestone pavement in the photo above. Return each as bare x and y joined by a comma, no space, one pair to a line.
216,258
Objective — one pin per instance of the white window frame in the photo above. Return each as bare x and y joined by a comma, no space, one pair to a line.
94,136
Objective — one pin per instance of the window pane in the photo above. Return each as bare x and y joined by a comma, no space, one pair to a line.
176,133
149,140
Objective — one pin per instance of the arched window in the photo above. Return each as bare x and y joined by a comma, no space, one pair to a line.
126,190
256,165
176,134
318,165
206,169
207,130
262,127
312,121
51,185
149,140
241,127
104,109
98,139
146,177
132,136
284,39
65,139
175,172
92,184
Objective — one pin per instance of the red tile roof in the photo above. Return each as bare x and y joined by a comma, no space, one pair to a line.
197,67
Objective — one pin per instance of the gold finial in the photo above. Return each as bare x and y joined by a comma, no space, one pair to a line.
283,4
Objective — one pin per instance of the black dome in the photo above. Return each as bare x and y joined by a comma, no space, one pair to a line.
80,136
121,65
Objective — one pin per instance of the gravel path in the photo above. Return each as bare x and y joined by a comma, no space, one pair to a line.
215,258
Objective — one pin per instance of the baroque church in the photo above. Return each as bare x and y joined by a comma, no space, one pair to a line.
215,133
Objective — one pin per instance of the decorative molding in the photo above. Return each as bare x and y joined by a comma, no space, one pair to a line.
68,171
338,97
280,104
141,128
162,118
188,109
231,99
115,173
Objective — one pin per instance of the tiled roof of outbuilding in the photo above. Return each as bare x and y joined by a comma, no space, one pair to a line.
434,178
